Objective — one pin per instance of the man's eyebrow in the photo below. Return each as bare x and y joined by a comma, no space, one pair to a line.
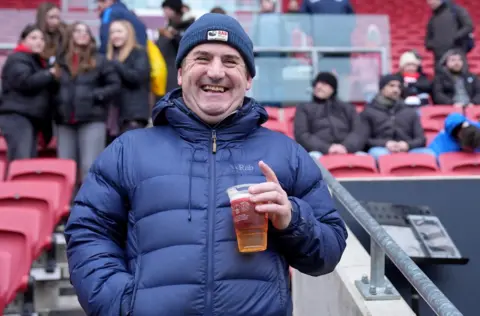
201,53
230,56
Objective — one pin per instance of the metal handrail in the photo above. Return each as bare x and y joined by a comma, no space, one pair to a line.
384,244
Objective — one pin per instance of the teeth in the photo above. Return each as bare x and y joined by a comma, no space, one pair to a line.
214,88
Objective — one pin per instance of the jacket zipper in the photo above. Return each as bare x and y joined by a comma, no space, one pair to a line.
211,223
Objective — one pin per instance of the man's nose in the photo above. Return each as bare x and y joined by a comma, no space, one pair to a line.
216,69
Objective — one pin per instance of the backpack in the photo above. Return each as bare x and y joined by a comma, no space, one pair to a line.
158,69
470,41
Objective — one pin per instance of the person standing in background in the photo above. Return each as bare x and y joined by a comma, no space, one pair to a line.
27,84
112,10
449,27
130,108
87,85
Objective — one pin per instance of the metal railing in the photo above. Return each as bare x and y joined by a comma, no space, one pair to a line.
378,287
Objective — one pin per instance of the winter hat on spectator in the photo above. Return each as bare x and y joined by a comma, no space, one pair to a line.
217,28
175,5
408,58
328,78
384,80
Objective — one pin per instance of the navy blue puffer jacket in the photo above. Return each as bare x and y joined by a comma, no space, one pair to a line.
151,231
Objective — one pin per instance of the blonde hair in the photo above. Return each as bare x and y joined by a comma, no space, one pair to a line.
130,44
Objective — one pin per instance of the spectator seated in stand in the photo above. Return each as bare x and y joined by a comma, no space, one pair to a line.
460,135
454,83
390,125
416,85
327,125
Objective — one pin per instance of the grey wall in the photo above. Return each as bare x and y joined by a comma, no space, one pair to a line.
457,204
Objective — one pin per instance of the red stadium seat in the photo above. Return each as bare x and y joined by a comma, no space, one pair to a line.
473,113
273,113
3,150
289,113
460,163
342,166
437,112
5,265
34,204
16,245
277,126
48,170
431,128
3,167
405,164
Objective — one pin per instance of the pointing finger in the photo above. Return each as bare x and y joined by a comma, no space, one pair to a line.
268,172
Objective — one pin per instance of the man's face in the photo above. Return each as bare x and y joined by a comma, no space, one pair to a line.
170,14
455,63
392,90
322,90
267,6
214,80
103,4
434,3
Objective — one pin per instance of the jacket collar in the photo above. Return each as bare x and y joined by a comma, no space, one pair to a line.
171,110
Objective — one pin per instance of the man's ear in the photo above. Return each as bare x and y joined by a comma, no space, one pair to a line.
249,82
179,76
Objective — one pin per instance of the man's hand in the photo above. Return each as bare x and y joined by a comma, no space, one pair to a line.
272,199
337,149
403,146
392,146
458,105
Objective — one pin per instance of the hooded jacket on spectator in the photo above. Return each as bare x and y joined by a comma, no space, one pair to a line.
178,208
445,141
386,120
133,99
84,98
444,82
322,123
119,11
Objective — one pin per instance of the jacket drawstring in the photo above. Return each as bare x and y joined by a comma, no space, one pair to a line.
190,183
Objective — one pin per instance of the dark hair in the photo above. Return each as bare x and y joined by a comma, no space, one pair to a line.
219,10
470,137
29,28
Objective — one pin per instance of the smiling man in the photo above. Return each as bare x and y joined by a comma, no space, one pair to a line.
151,231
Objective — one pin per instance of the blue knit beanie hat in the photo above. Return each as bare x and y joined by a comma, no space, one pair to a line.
217,28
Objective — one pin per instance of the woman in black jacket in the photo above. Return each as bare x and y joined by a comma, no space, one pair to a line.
26,87
87,84
130,110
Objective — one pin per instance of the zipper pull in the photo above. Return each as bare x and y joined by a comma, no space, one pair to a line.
214,141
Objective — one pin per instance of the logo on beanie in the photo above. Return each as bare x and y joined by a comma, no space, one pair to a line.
217,36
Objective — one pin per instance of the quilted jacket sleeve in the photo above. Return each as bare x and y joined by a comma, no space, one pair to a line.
96,233
316,238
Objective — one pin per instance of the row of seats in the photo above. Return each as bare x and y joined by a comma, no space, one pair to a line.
402,164
432,118
34,199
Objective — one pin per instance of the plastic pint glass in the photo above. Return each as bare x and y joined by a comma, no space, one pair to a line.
250,227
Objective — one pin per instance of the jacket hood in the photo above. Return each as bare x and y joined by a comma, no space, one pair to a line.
453,120
449,53
172,110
